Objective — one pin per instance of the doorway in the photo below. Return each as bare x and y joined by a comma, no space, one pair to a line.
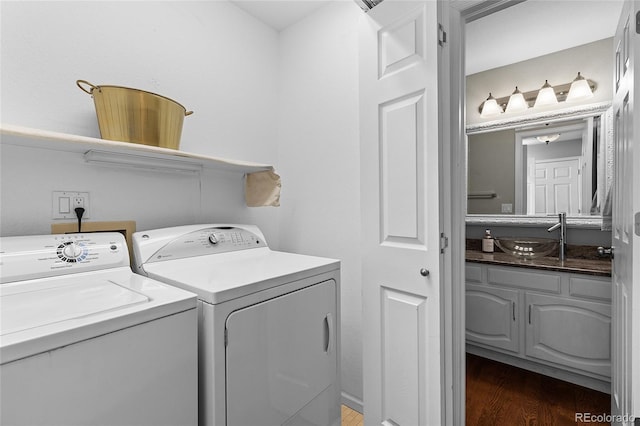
495,15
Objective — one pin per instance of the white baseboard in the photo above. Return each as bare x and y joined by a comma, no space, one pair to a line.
352,402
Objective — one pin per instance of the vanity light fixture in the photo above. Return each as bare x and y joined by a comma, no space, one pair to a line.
579,90
490,107
546,96
517,102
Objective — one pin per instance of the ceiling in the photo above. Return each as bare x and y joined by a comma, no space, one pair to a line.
279,14
526,30
535,28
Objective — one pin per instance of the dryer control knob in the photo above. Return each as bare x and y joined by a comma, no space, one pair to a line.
213,239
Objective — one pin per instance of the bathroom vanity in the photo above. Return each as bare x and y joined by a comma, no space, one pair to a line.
542,315
545,315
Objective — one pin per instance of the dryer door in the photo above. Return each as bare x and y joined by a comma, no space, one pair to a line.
280,356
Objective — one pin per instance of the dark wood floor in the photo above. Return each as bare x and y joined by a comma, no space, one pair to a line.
498,394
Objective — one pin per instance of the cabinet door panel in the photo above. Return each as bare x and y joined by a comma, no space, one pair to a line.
524,279
590,287
473,273
492,317
572,333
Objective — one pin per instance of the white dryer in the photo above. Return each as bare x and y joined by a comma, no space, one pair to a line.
85,341
268,323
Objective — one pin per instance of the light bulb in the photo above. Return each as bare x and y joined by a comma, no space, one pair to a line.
546,96
579,90
548,138
517,103
490,108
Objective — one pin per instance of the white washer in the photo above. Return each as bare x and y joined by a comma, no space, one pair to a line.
268,323
85,341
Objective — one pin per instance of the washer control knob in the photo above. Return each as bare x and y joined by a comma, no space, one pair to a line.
72,251
213,239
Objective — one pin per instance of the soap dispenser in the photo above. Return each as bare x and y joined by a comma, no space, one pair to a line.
487,242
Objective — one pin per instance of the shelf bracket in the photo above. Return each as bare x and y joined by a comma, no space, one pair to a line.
140,162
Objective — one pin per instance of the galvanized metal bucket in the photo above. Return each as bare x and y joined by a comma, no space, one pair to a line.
137,116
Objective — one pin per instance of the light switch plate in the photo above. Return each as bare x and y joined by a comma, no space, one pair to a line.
64,203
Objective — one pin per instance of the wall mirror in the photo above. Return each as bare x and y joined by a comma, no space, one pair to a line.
524,172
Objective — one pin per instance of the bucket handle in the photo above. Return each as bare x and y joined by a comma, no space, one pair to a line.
90,92
79,83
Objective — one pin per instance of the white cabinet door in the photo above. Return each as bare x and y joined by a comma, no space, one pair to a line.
573,333
492,317
400,139
281,355
625,392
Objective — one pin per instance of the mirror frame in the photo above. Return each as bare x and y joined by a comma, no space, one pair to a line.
565,114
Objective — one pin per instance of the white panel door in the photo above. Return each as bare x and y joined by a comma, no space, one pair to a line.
625,395
557,186
401,219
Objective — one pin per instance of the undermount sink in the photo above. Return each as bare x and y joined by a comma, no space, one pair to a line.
526,247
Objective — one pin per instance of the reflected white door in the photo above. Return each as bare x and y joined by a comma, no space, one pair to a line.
625,395
557,186
401,220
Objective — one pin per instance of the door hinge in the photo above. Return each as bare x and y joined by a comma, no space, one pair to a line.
226,337
444,242
638,23
442,35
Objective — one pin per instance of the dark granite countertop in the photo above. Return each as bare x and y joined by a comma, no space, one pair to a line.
580,260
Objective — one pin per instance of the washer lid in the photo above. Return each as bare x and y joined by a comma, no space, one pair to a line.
44,314
25,307
220,277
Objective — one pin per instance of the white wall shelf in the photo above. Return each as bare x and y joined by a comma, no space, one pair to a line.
262,184
123,152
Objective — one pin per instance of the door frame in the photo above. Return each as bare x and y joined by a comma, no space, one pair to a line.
461,12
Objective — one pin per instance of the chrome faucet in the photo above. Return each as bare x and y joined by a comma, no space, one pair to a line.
562,224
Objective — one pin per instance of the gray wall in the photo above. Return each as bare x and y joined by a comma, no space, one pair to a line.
319,153
491,167
210,56
285,98
593,60
555,150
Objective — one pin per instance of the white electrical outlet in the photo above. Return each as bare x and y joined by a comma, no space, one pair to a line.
64,203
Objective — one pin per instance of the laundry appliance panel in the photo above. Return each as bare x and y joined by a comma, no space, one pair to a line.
268,327
85,341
